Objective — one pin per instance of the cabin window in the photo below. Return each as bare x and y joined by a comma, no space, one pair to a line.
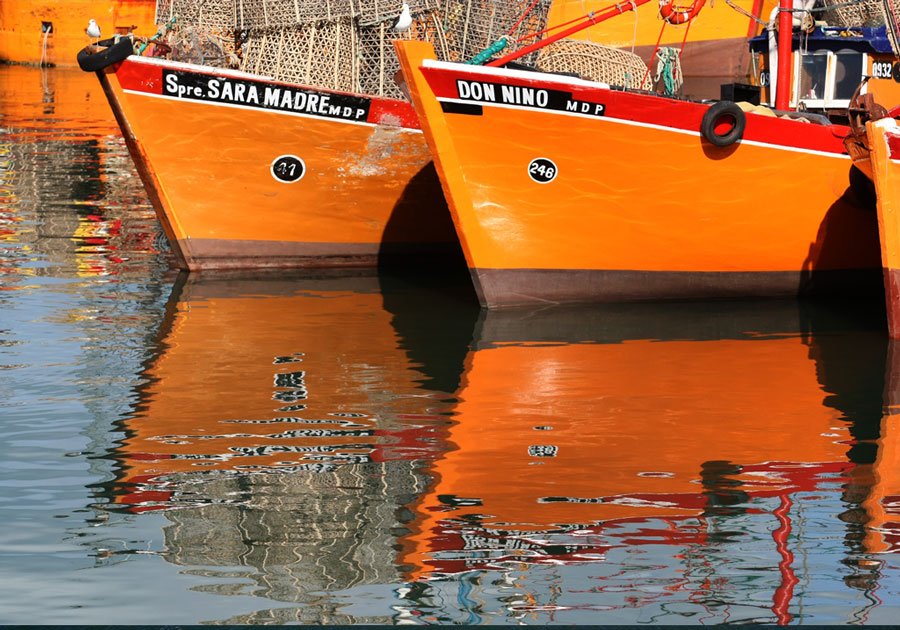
827,79
813,73
848,74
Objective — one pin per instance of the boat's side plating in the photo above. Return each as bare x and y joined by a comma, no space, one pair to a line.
634,203
360,188
884,142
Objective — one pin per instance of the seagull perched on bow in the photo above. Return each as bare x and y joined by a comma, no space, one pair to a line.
403,21
93,30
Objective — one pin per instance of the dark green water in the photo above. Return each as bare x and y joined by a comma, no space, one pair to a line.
355,448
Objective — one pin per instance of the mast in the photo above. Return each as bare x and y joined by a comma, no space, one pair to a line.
785,33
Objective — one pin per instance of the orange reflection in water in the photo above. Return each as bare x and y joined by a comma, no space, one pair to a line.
273,377
574,437
65,173
557,432
53,103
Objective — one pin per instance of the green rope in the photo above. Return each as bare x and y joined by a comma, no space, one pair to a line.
488,52
668,70
159,33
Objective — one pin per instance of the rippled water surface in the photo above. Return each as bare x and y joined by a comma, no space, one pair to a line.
363,448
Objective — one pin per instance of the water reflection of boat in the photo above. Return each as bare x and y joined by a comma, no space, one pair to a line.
281,429
51,33
70,186
557,461
274,376
639,445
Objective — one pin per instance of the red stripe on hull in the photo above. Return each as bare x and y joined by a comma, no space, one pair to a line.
642,108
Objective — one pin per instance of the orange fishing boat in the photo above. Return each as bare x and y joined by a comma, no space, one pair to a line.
51,32
307,154
303,152
611,194
249,172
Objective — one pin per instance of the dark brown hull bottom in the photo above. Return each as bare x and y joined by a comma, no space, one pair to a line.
892,301
519,287
212,254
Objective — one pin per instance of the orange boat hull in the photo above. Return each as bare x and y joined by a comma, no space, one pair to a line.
359,188
637,205
884,143
53,31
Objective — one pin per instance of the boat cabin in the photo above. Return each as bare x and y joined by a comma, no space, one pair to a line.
828,65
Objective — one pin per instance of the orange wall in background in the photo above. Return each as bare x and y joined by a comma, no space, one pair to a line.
22,35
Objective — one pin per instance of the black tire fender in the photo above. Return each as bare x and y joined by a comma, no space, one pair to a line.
111,51
718,113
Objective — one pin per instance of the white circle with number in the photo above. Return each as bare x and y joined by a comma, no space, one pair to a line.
542,170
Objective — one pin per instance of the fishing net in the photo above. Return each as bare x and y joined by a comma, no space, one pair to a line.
200,27
340,54
286,13
850,14
594,62
473,25
348,44
867,13
319,54
194,45
377,59
890,13
202,14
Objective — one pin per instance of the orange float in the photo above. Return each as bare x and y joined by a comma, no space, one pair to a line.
679,15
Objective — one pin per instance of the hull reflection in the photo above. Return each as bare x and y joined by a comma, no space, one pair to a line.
304,440
69,187
272,375
282,431
652,451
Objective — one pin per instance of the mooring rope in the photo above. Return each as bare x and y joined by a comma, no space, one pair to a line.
668,69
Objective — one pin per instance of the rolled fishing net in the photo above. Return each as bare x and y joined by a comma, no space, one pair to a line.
342,44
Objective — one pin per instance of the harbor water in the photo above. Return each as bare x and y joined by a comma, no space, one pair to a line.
371,448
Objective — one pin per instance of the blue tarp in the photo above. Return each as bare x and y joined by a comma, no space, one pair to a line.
867,39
